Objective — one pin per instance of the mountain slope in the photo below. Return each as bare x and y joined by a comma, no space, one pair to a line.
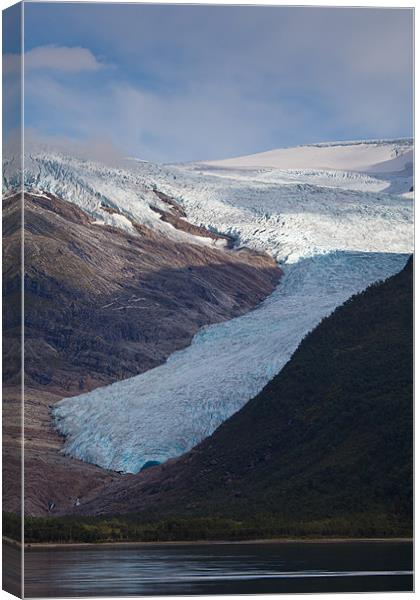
335,231
114,304
329,438
335,234
103,304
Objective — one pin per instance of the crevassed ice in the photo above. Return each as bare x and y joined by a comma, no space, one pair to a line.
333,240
167,410
334,232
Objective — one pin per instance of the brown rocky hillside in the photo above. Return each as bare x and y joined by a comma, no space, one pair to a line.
101,305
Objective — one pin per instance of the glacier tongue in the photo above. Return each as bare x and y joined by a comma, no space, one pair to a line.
334,232
167,410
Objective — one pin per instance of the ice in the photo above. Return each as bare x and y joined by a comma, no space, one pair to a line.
167,410
334,232
291,220
96,188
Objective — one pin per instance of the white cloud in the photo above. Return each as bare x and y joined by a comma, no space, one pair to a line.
53,58
61,58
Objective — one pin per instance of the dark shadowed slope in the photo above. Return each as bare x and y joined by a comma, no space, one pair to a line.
329,438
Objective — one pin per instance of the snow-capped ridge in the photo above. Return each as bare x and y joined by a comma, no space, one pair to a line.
349,156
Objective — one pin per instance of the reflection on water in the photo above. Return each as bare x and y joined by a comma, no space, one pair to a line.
219,569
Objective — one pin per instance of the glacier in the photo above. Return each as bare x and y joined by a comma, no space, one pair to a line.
169,409
333,230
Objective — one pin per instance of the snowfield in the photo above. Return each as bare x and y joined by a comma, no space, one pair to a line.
376,156
337,217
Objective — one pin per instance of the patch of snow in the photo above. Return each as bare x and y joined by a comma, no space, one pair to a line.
119,221
39,195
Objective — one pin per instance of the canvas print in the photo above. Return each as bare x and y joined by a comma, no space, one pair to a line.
207,299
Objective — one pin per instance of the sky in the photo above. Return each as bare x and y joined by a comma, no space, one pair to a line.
175,83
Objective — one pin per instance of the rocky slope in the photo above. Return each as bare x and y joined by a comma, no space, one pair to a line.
103,304
328,440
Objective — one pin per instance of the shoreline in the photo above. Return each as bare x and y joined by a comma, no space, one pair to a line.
109,545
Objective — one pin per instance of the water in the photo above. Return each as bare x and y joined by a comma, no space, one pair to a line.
254,568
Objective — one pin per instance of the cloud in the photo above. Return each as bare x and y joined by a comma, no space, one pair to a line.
192,82
199,122
54,58
61,58
100,149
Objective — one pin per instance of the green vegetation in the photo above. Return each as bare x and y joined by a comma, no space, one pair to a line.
330,437
131,528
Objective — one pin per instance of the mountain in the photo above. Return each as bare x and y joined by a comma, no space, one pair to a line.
102,304
333,233
326,444
140,280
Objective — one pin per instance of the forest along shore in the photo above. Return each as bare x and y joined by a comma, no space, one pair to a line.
87,545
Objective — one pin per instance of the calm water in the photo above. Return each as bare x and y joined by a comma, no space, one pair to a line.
220,569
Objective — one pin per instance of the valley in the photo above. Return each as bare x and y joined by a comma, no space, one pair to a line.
178,292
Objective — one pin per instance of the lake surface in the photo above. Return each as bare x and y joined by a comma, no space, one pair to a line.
255,568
